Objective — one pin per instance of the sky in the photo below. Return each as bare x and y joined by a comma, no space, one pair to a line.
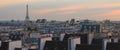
60,9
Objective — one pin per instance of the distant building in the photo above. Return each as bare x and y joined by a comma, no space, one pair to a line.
72,22
41,21
90,26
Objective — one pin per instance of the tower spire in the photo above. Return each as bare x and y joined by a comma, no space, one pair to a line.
27,13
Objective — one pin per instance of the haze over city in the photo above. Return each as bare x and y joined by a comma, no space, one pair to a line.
60,9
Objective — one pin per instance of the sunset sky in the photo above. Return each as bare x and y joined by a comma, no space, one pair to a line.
60,9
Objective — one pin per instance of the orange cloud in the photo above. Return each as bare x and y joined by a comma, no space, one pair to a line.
64,8
112,15
76,7
67,12
44,11
105,5
73,7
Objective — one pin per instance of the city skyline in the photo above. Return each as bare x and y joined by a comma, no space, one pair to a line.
61,10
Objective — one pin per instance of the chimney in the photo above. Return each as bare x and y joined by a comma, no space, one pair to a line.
104,44
90,38
72,42
62,37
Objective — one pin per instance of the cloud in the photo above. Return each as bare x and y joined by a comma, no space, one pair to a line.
66,8
66,13
75,7
111,13
5,3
